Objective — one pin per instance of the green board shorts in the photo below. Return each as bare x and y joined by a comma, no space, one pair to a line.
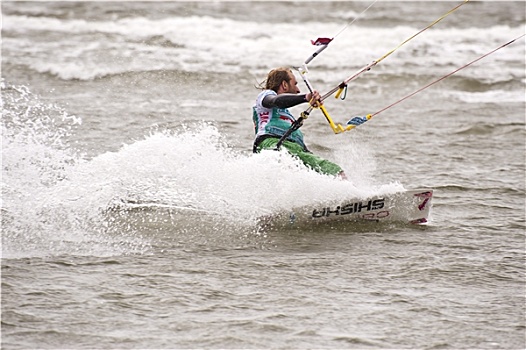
311,160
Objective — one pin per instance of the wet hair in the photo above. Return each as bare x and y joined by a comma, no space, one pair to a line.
274,79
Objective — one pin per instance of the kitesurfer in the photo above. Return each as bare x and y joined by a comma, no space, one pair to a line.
272,119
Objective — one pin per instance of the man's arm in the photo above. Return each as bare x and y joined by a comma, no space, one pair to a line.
283,100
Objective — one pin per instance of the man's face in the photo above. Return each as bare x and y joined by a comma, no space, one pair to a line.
292,85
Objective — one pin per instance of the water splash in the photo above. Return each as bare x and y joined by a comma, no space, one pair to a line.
38,217
174,184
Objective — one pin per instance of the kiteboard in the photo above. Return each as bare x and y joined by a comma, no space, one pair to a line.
405,207
411,207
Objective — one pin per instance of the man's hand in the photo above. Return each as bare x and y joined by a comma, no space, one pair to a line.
314,98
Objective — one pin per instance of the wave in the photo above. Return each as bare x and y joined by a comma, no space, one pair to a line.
71,72
456,188
202,43
492,96
387,13
498,127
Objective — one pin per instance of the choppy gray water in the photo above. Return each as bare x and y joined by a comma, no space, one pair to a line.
128,101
